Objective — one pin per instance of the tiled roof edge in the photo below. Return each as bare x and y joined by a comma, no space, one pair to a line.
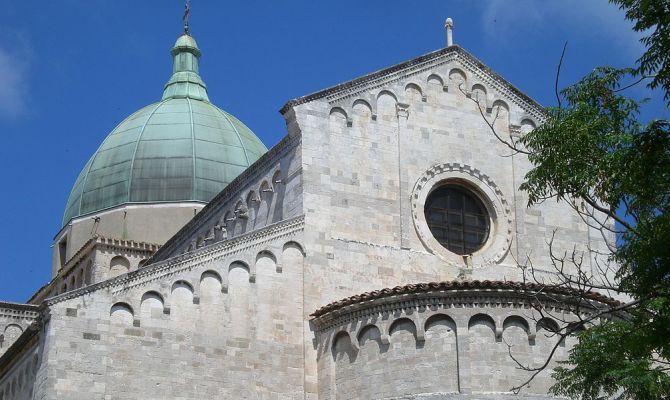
461,285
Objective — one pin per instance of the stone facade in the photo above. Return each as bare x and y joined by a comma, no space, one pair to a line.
227,308
440,340
14,320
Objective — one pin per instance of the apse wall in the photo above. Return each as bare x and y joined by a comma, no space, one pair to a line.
223,321
435,344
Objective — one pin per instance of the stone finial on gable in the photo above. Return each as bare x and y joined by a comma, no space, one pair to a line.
449,26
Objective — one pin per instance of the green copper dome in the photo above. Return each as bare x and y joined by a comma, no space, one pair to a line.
182,148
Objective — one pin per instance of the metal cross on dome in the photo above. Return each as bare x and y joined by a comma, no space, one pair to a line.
187,12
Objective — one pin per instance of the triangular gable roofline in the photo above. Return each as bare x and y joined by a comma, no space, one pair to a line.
347,88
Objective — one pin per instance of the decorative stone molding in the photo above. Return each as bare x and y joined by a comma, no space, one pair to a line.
358,87
453,294
160,270
19,318
500,235
17,311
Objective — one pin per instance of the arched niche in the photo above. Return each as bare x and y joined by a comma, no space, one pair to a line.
436,80
265,193
458,80
361,117
440,322
228,223
517,322
362,109
342,349
369,333
294,245
402,326
527,125
337,121
482,325
252,200
292,257
11,333
182,291
500,114
242,216
210,286
239,299
118,265
478,93
516,332
413,93
89,273
121,314
386,106
151,305
82,278
266,261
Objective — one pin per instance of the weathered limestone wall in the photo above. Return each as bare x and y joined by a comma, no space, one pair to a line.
223,321
18,378
371,153
373,149
14,320
98,260
444,344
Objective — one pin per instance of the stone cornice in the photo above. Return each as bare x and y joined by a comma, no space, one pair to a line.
118,244
235,187
19,310
465,293
416,65
159,270
85,249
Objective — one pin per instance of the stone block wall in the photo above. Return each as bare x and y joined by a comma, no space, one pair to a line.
18,377
436,344
374,148
14,320
221,322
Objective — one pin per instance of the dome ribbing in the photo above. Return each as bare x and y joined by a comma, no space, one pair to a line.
182,148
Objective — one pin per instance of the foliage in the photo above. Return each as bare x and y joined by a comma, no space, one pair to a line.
595,154
652,17
612,361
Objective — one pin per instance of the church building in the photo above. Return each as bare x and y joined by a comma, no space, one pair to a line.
372,253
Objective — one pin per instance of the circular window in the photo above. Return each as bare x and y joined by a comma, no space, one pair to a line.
457,218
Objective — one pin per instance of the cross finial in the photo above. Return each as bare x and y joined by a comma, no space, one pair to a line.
187,12
449,26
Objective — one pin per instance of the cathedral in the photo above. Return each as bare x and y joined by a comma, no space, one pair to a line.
372,253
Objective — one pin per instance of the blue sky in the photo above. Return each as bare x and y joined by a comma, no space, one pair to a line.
72,70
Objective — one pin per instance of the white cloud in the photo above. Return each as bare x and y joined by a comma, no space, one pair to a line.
514,20
14,65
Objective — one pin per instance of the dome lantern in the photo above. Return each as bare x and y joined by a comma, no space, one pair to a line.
185,80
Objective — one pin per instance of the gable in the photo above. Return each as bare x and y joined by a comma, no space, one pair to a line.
438,67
